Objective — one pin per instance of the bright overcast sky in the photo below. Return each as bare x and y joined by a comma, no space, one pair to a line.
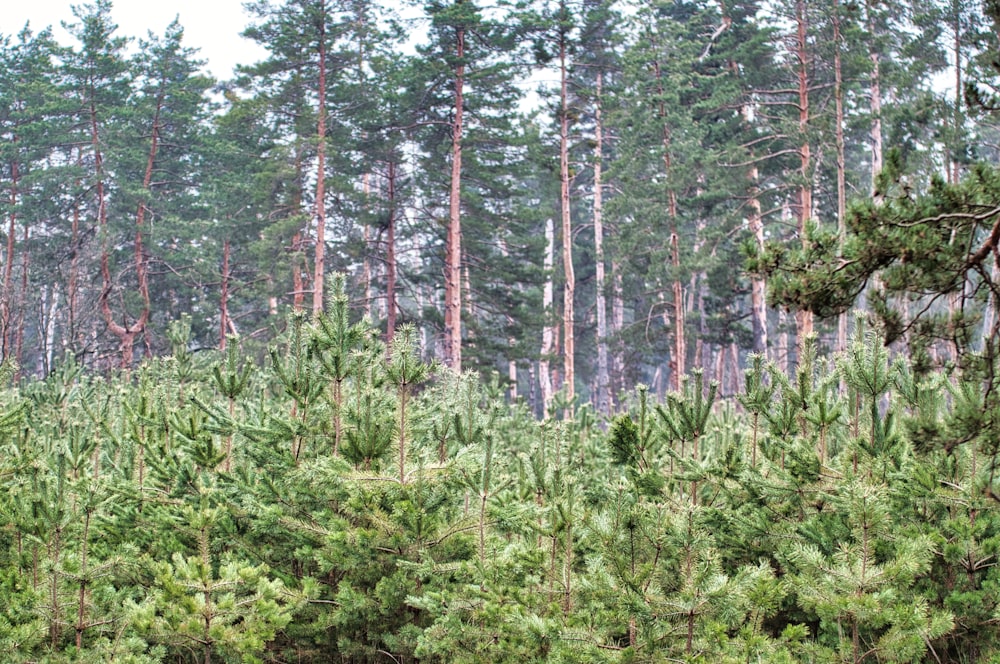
213,26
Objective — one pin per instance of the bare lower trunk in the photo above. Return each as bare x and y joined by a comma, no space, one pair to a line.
679,350
224,297
803,318
838,95
617,325
603,388
758,287
453,250
390,256
320,264
875,96
7,306
569,285
548,330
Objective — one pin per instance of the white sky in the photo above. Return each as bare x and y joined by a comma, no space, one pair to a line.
212,26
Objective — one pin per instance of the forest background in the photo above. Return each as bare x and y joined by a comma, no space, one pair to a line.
598,239
360,356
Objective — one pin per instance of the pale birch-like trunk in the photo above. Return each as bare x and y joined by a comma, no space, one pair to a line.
548,330
569,285
603,387
758,286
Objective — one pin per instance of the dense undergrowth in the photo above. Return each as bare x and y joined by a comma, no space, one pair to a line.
346,502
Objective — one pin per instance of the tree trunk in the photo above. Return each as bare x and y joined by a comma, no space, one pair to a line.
758,286
320,264
548,330
617,326
679,350
838,95
390,256
569,285
875,97
603,391
366,264
453,248
803,318
126,332
224,297
6,310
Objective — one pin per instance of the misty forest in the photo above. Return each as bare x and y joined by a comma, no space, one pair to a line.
576,331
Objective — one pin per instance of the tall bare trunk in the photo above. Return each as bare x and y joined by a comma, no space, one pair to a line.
838,96
7,305
453,248
224,297
569,285
803,318
758,286
366,264
548,330
390,255
74,263
781,352
679,351
603,396
875,92
320,263
957,118
617,326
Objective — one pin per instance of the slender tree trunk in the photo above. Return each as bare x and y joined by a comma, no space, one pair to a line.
22,302
548,330
224,297
838,96
957,119
603,391
74,262
758,286
8,268
617,326
320,263
679,351
875,92
803,318
390,255
299,262
569,285
366,263
81,606
782,349
453,249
